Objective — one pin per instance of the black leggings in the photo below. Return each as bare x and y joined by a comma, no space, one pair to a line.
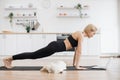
50,49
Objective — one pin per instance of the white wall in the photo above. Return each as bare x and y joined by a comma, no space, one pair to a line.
103,13
119,22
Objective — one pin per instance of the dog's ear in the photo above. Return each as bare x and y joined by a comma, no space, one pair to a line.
43,69
46,69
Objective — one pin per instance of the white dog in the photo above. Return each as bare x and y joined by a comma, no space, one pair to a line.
55,67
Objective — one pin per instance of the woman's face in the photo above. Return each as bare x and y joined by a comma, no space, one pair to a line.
91,34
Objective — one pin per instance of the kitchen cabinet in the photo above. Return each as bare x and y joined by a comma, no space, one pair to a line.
89,46
37,41
41,40
10,44
23,43
33,42
49,37
2,44
17,43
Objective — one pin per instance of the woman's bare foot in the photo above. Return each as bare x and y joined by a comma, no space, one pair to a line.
8,62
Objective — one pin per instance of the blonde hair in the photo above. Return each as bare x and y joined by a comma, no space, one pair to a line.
90,28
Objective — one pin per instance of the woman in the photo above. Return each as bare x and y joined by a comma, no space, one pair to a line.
74,40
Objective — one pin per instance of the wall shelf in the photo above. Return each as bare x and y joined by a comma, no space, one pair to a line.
68,16
66,8
24,17
72,17
72,12
20,8
72,8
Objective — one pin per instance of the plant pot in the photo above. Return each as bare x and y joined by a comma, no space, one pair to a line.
28,29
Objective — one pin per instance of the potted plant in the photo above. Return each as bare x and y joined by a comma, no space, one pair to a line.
28,29
79,6
11,17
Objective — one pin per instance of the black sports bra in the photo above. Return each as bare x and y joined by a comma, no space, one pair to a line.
73,42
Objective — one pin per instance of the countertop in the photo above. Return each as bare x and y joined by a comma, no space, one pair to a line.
9,32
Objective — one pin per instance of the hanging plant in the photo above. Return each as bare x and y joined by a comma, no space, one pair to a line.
79,7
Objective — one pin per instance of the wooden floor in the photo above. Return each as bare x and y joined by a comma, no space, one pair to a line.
112,72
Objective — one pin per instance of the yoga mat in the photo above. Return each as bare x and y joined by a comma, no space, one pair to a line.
37,68
88,68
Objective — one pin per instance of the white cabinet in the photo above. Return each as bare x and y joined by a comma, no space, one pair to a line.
37,41
23,43
18,43
49,38
89,46
32,42
2,44
10,44
41,40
